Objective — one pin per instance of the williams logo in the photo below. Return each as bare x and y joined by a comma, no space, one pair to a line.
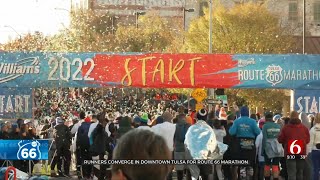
11,71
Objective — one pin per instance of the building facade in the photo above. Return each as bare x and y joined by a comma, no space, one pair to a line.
127,11
290,13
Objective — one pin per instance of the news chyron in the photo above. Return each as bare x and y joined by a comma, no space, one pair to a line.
296,149
24,149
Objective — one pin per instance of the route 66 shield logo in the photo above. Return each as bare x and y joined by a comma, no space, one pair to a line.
274,74
29,150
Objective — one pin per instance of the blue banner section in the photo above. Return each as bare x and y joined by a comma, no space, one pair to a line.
307,101
15,103
278,71
24,149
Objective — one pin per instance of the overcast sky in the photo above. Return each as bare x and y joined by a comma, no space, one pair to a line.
47,16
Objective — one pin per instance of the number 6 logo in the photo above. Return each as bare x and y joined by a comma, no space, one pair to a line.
295,147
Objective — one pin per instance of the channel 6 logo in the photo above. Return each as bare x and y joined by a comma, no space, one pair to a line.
29,150
296,147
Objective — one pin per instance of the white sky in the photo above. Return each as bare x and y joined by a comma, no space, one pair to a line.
46,16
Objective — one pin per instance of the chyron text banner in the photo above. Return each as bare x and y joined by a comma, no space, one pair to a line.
159,70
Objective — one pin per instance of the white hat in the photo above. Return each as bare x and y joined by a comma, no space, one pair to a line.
27,121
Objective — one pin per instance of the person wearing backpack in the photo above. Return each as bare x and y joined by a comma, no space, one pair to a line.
271,149
314,147
179,148
82,149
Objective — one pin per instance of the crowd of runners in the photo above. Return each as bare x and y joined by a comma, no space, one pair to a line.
97,126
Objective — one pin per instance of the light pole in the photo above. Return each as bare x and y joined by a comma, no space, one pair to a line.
184,10
137,17
210,26
113,18
210,91
303,26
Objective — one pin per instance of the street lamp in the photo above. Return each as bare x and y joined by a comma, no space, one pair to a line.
7,26
113,18
184,10
137,17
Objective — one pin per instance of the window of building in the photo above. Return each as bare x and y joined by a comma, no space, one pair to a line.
293,10
316,11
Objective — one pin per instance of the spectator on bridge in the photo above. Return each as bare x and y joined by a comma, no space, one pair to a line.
151,146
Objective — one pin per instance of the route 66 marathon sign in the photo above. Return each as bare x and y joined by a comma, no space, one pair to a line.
147,70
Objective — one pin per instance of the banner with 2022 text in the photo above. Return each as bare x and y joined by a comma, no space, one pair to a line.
159,70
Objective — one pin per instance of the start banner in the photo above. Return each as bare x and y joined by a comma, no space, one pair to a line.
15,103
159,70
307,101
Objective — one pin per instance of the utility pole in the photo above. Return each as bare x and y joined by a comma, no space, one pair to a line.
303,26
113,18
210,91
210,26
